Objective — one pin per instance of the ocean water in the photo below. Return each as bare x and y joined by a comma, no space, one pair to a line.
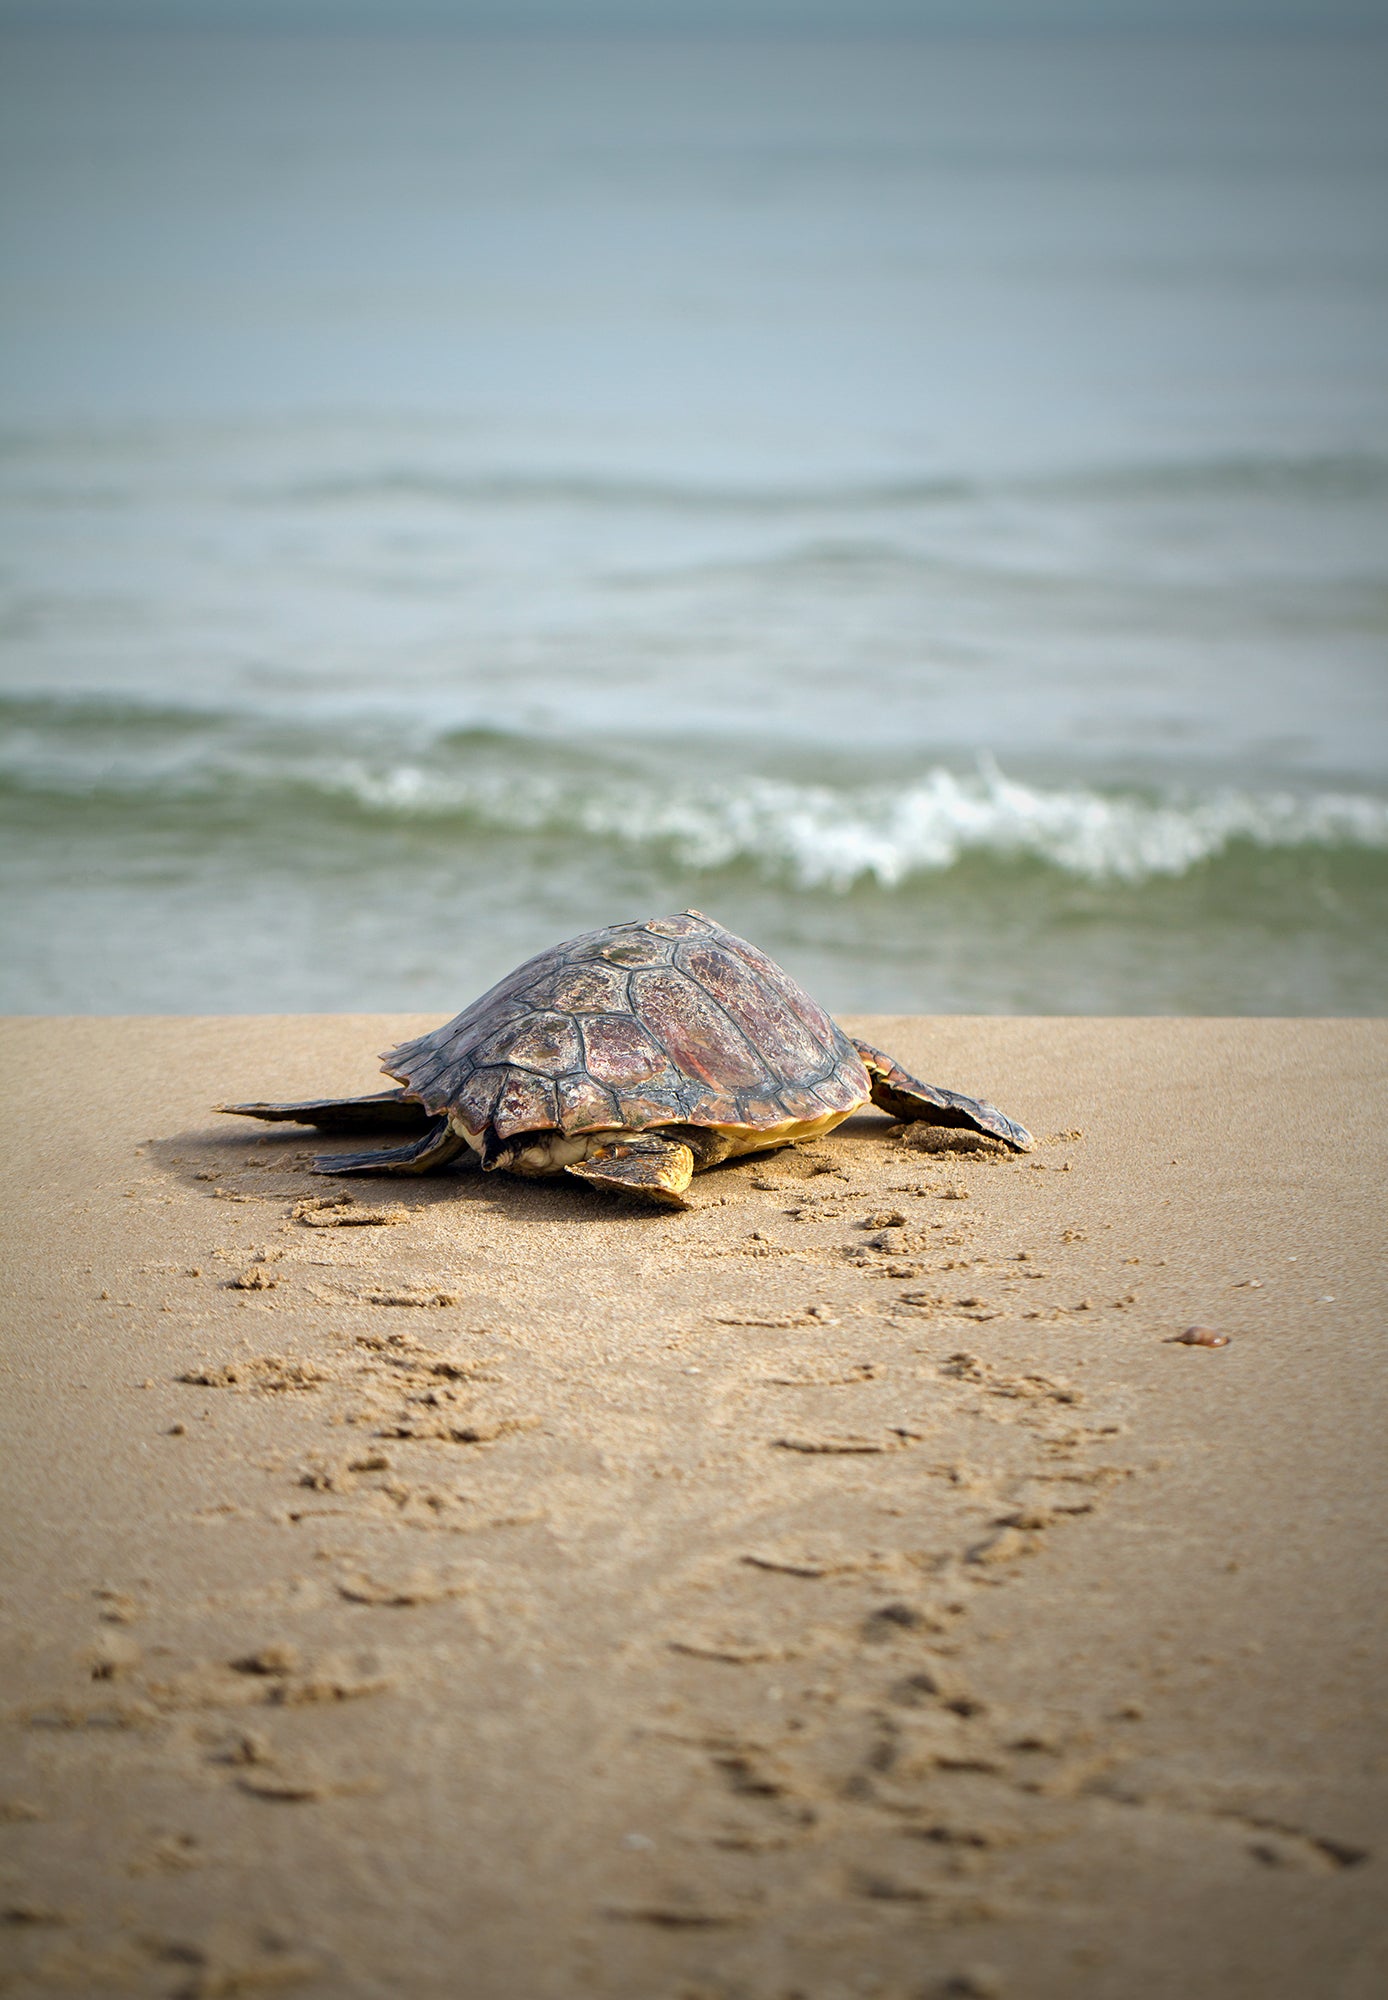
923,502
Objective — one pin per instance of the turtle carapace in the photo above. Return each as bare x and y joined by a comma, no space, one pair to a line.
633,1057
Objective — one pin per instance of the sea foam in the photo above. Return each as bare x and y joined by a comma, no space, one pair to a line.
826,837
810,835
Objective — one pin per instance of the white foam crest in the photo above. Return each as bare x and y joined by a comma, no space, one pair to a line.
823,837
817,836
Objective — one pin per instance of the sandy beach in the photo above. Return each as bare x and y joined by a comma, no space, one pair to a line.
485,1590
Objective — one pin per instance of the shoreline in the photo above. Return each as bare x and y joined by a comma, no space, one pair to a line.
522,1593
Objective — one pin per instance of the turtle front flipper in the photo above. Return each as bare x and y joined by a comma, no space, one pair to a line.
655,1169
439,1145
386,1111
904,1096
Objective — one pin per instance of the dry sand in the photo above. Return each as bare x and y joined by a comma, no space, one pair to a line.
847,1588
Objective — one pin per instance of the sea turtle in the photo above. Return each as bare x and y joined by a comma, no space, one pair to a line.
633,1057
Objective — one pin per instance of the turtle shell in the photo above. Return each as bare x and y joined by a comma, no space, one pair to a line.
673,1021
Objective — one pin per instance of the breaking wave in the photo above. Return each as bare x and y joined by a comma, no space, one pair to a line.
820,837
813,836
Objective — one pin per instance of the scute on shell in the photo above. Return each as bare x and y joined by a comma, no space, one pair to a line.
696,1035
548,1043
758,1009
474,1098
621,1051
808,1012
838,1090
526,1104
585,989
802,1103
584,1106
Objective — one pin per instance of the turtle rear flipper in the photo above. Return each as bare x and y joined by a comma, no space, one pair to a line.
894,1090
439,1145
655,1169
386,1111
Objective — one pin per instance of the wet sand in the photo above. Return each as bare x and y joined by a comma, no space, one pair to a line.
850,1587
